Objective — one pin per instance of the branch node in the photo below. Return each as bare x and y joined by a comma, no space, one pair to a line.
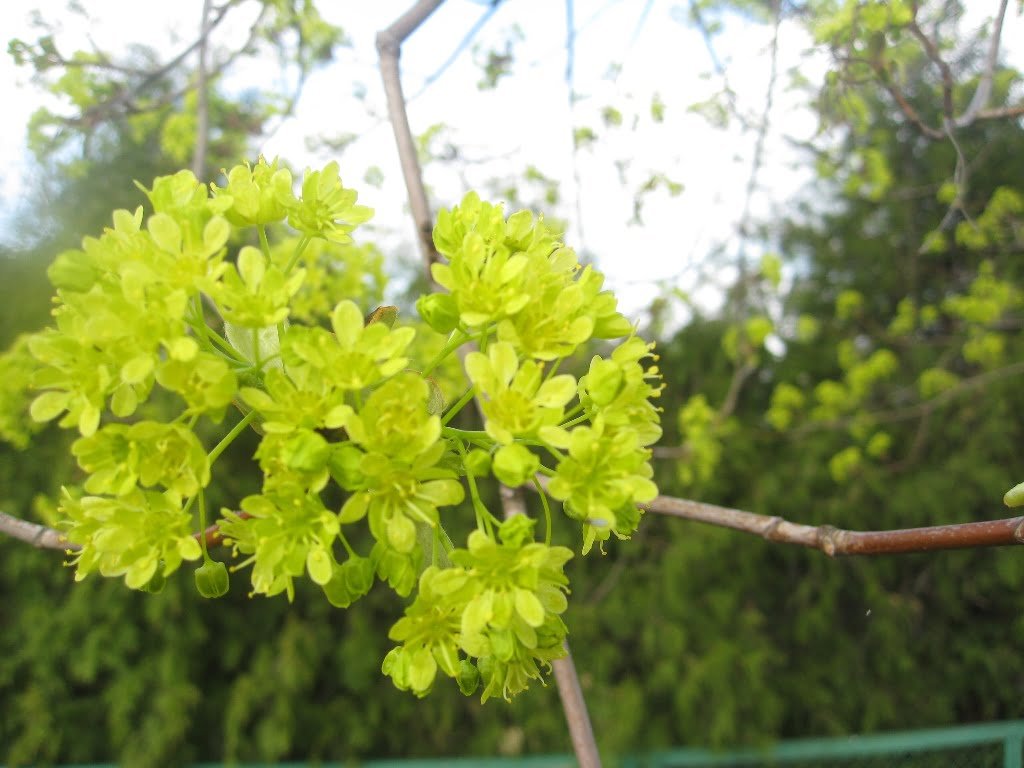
827,539
768,533
388,44
1018,532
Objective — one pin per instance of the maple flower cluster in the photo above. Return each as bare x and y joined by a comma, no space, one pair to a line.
194,301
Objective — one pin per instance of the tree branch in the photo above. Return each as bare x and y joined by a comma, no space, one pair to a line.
47,538
984,89
1000,112
837,541
202,96
154,76
458,50
932,51
905,107
389,47
730,95
33,533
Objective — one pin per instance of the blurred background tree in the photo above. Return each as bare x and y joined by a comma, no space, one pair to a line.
861,369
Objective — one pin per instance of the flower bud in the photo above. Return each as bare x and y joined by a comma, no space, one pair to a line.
212,579
468,677
438,310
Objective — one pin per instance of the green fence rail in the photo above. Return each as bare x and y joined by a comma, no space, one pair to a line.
985,745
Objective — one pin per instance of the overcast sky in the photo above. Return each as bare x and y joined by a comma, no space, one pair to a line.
525,121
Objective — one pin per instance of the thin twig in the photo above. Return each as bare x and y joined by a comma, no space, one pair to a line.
1000,112
458,50
570,92
389,47
202,96
762,134
932,52
905,107
984,89
837,541
124,97
44,537
33,533
716,63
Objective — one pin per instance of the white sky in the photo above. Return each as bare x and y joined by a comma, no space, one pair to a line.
526,121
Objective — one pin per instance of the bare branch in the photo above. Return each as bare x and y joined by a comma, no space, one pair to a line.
161,72
458,50
47,538
570,93
740,375
762,134
389,46
126,99
1000,112
33,533
905,107
202,96
932,51
984,89
730,95
836,541
576,716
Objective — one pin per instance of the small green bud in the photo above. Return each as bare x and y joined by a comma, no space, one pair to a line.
1015,496
515,464
349,581
343,464
478,462
468,677
212,579
604,382
439,311
517,531
318,564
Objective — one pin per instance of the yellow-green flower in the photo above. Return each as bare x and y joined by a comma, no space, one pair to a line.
517,402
